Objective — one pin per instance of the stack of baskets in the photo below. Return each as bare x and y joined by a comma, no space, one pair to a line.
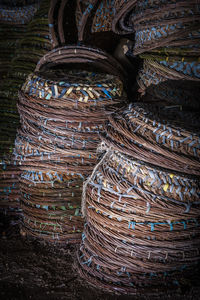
62,109
167,38
13,26
102,23
142,203
142,200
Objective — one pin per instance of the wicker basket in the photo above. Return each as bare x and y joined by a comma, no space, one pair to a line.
174,67
134,237
167,86
161,136
167,26
142,230
62,109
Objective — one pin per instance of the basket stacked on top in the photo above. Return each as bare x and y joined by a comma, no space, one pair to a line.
162,76
112,15
163,25
13,26
142,204
159,83
62,112
101,23
168,39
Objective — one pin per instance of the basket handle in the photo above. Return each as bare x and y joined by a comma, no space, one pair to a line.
82,55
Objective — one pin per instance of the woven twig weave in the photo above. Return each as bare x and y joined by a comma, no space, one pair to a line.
142,216
62,112
166,24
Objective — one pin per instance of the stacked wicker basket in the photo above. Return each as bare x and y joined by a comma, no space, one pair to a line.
167,38
142,200
62,111
103,22
13,27
143,204
105,15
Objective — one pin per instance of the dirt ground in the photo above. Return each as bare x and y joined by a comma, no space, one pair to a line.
30,269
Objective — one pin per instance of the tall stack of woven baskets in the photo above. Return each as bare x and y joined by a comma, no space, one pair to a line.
62,109
142,200
14,20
